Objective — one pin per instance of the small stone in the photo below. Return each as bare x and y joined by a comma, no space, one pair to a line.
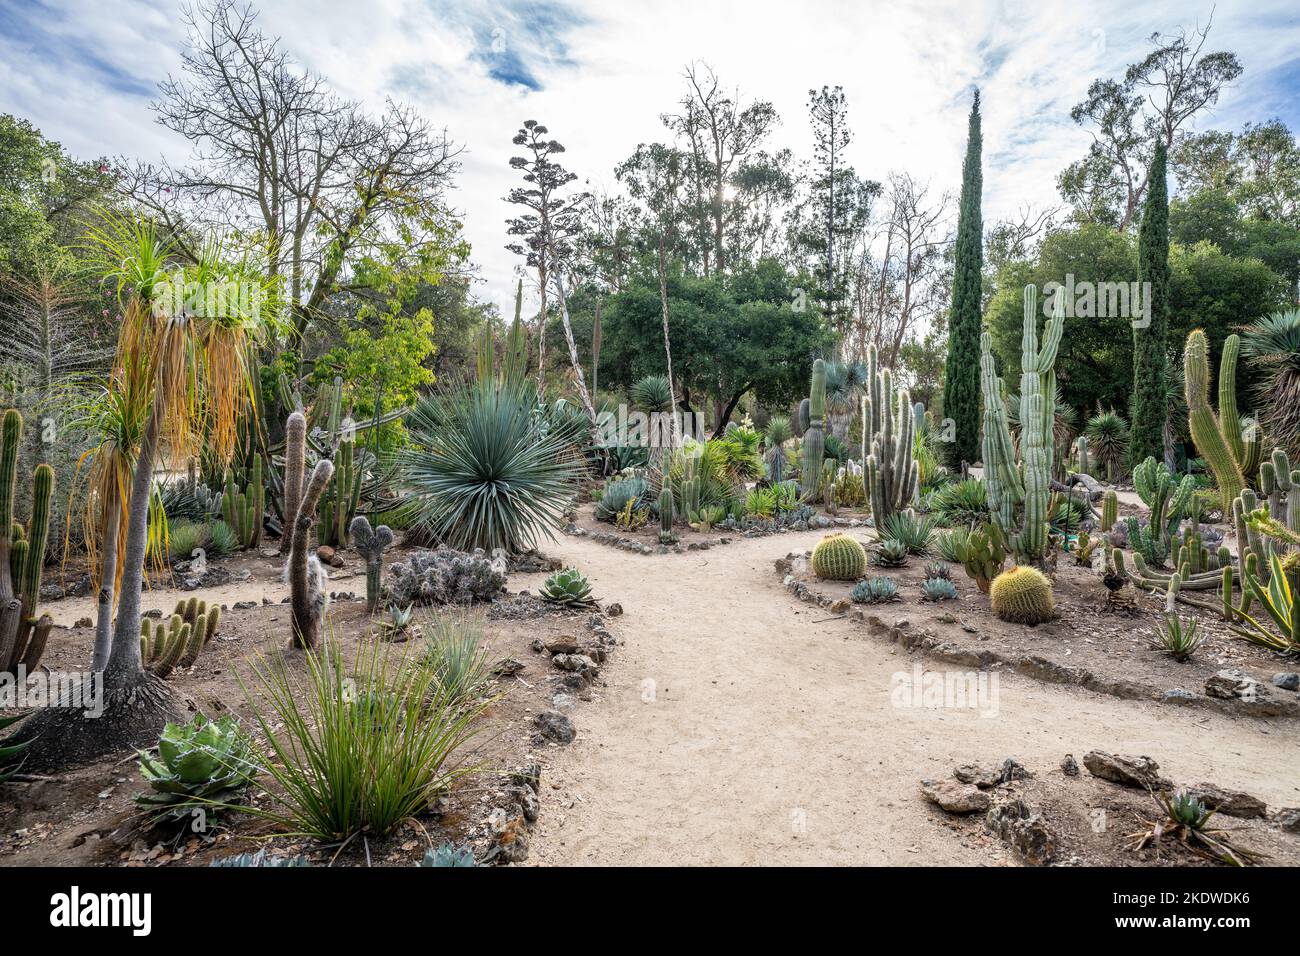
329,556
1024,830
840,606
1234,684
1288,818
85,622
973,773
1177,695
244,605
507,667
576,663
955,797
614,610
1231,803
1012,769
1140,772
1070,766
1287,680
554,726
564,644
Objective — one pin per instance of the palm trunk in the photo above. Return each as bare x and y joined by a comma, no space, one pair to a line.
107,586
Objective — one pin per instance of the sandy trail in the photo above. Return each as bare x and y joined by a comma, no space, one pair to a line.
741,727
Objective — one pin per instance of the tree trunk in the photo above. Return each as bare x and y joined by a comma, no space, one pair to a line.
668,350
573,358
107,587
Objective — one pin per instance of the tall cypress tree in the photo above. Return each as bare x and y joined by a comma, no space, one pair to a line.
961,378
1150,346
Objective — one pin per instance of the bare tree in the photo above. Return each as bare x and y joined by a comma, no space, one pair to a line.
278,155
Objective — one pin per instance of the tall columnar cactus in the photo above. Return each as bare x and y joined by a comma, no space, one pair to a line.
295,460
339,504
1019,490
888,435
22,556
1109,510
666,515
1243,439
305,611
1168,503
814,440
1207,430
1082,443
371,543
244,510
1280,486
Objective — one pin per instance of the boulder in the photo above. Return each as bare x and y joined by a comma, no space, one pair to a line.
1140,772
955,797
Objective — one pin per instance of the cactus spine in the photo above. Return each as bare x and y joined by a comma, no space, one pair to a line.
838,557
1082,443
371,543
1207,431
23,636
889,418
178,643
814,441
1019,491
1022,595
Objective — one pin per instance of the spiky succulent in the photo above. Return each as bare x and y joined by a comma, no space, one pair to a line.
961,503
448,855
568,588
936,570
874,591
1178,638
892,553
200,765
913,530
652,394
938,589
617,494
1188,810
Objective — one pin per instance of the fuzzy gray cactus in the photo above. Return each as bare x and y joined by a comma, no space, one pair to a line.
371,543
1019,489
308,610
888,432
295,458
444,576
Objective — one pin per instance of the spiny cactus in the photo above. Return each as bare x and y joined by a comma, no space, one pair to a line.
1207,431
1019,490
1242,438
1168,503
244,510
888,433
23,636
371,543
306,602
982,554
666,516
1109,510
814,440
339,505
838,557
1022,595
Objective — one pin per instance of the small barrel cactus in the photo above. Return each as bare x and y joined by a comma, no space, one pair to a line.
874,591
1022,595
838,557
938,589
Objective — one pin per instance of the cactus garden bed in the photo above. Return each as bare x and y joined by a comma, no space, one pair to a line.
1094,641
545,660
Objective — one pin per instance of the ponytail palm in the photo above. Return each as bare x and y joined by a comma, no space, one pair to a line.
486,469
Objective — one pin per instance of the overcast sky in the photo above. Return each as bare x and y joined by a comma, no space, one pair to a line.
600,73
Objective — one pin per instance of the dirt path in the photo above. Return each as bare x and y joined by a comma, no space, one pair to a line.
741,727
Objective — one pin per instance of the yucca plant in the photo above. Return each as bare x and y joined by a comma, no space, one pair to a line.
778,432
353,749
456,653
568,588
184,538
761,503
1178,638
1273,346
961,503
484,470
652,394
222,539
1108,436
202,766
915,532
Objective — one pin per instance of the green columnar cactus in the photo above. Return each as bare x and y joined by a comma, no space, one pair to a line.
1022,595
814,441
23,636
1243,440
1168,503
666,516
1207,431
244,510
838,557
371,543
340,502
888,434
1019,491
1109,510
306,613
295,461
1082,443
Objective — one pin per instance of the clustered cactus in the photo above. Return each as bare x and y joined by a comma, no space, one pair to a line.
1019,488
888,434
371,543
982,554
814,439
837,557
1168,503
444,576
339,504
1219,441
244,510
178,642
1022,595
22,556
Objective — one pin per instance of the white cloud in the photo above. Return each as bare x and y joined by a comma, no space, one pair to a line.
606,71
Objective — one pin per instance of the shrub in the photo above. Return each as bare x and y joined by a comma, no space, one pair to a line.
961,503
618,494
485,469
568,588
354,749
915,531
838,557
184,538
874,591
456,655
1022,595
201,766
